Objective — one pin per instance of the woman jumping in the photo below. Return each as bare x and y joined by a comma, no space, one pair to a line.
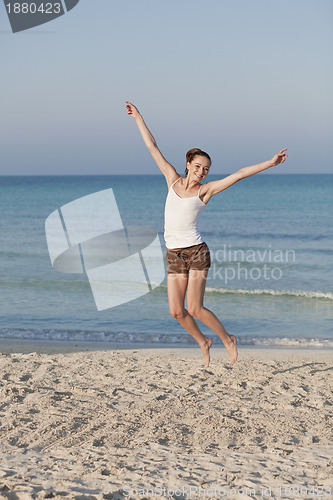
188,257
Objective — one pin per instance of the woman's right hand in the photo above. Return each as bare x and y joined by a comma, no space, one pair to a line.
166,168
132,110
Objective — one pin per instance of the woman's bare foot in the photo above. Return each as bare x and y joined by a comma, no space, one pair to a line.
205,347
232,349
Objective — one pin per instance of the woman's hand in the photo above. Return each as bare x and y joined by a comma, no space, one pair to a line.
167,170
132,110
279,158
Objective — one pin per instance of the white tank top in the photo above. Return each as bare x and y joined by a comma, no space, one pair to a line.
181,218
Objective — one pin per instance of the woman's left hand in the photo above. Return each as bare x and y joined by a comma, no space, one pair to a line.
280,157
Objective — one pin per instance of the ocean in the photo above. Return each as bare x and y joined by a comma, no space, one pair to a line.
270,237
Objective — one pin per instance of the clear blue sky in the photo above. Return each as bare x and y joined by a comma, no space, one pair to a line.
240,79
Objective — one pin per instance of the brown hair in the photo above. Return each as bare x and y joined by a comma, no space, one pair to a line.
192,153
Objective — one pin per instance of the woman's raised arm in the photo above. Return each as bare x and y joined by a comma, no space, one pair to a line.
215,187
166,168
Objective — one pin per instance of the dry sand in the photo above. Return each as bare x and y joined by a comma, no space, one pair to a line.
98,424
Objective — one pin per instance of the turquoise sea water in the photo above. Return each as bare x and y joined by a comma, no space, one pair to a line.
270,237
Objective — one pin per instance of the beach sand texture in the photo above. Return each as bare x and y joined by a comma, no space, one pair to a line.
115,423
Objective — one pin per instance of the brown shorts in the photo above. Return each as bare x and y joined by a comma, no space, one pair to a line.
181,260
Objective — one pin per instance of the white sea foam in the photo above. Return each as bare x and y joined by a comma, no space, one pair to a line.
308,294
160,339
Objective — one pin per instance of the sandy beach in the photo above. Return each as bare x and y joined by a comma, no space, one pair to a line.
82,421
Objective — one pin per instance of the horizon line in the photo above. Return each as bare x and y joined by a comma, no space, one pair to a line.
157,174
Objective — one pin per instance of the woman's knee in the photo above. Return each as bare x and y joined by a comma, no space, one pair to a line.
194,311
178,313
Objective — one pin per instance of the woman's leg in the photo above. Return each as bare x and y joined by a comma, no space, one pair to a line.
195,297
177,285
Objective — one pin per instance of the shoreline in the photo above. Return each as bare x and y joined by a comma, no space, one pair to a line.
26,346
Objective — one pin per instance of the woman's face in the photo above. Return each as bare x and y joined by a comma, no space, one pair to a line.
198,168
